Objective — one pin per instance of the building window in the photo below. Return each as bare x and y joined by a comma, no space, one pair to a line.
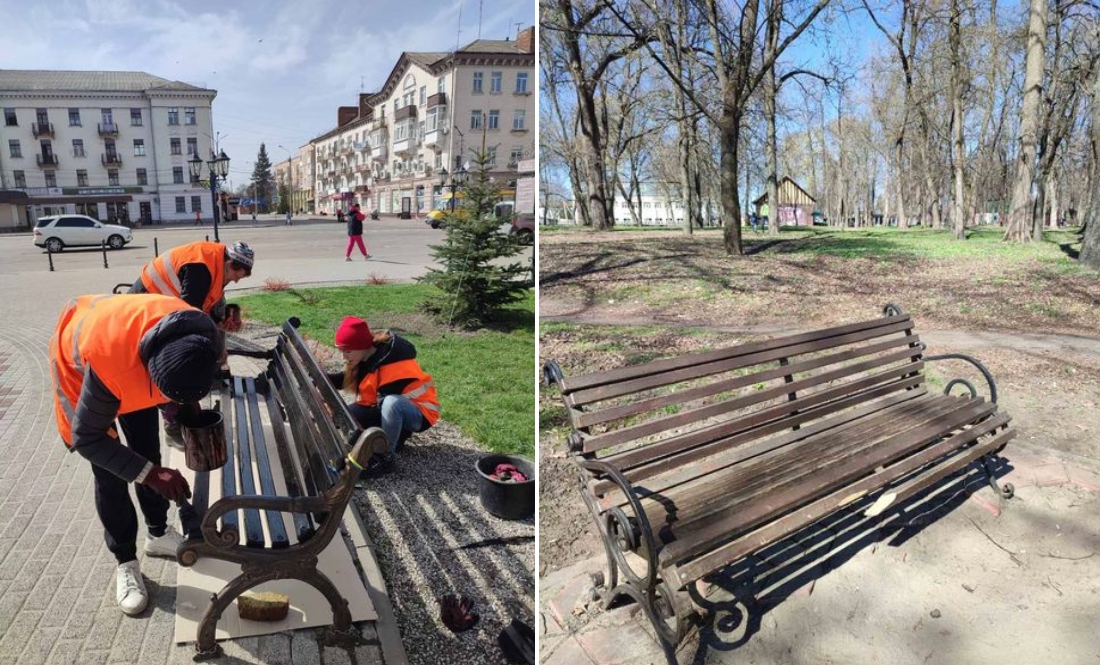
14,148
173,117
521,82
478,76
181,204
192,146
196,204
112,177
20,179
135,117
475,119
492,155
494,119
189,115
441,84
517,154
108,117
438,161
9,118
518,120
396,105
175,143
143,177
109,147
78,147
81,178
495,80
139,147
51,179
423,95
177,175
74,117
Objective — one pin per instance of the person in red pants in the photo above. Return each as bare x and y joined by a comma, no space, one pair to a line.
355,232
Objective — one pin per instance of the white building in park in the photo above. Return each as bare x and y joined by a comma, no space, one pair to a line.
656,204
112,145
433,111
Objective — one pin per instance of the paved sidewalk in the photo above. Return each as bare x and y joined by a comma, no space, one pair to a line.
957,579
57,602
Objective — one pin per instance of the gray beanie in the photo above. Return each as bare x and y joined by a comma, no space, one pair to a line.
184,368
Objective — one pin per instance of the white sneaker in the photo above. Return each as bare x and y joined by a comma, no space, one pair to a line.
165,545
130,588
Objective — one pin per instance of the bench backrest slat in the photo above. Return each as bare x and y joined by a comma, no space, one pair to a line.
292,469
341,415
329,436
303,428
254,532
276,529
571,385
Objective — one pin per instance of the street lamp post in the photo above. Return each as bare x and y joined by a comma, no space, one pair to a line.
456,180
218,167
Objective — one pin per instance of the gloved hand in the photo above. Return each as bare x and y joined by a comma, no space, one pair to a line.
232,321
169,483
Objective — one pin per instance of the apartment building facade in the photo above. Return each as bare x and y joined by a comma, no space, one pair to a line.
112,145
434,112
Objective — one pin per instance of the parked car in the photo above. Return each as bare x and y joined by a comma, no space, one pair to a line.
437,218
60,231
523,225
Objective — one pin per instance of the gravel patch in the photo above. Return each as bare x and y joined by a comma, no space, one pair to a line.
432,537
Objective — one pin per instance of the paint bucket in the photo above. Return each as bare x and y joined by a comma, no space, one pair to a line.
204,440
506,500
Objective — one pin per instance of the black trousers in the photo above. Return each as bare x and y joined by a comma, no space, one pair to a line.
112,494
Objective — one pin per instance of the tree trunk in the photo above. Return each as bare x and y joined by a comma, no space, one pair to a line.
958,121
1052,194
771,90
1090,243
730,133
1020,214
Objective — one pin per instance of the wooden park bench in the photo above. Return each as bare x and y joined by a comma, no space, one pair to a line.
689,464
321,449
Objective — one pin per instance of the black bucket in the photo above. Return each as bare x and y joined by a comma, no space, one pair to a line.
204,441
510,501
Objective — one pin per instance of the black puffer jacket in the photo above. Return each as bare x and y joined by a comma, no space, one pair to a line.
97,408
355,223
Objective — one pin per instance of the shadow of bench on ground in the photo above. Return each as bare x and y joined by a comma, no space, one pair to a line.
743,594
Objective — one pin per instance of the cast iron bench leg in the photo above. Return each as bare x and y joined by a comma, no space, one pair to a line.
1006,492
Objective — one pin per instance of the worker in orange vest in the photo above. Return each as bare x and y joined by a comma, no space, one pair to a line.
392,391
116,358
198,273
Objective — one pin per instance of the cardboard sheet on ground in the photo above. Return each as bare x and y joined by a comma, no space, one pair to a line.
308,607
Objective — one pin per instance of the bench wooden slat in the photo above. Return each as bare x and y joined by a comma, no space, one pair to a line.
341,415
229,478
676,470
587,419
735,518
316,477
254,532
626,434
328,433
276,529
292,474
681,574
765,475
574,384
697,445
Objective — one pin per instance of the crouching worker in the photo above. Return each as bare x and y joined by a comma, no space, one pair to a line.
118,358
392,391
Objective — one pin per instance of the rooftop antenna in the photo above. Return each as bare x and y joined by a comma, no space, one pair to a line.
518,25
362,83
458,37
480,6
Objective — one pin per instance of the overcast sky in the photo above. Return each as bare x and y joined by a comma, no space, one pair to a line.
280,68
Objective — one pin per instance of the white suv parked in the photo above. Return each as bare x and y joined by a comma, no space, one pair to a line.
60,231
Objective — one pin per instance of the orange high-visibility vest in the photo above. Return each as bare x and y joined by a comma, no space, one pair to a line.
161,275
421,391
103,332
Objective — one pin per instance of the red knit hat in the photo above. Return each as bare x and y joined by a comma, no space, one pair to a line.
353,334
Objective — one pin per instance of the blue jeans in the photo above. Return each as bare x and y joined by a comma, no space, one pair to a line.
399,414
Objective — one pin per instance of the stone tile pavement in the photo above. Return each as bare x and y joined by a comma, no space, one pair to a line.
969,580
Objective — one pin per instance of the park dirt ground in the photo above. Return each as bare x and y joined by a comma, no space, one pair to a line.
613,299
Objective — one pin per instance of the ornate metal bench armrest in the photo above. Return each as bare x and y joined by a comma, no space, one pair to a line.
552,374
636,534
973,361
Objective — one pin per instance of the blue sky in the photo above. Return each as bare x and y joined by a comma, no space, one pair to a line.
280,68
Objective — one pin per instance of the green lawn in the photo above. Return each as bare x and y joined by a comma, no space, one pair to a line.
485,379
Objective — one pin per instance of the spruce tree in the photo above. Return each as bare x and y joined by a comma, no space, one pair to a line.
261,176
284,198
475,283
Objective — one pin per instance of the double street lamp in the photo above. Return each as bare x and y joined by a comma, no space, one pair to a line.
218,168
453,182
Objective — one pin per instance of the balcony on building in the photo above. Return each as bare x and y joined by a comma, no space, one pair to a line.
110,159
379,152
42,129
108,129
47,159
362,189
362,168
433,138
